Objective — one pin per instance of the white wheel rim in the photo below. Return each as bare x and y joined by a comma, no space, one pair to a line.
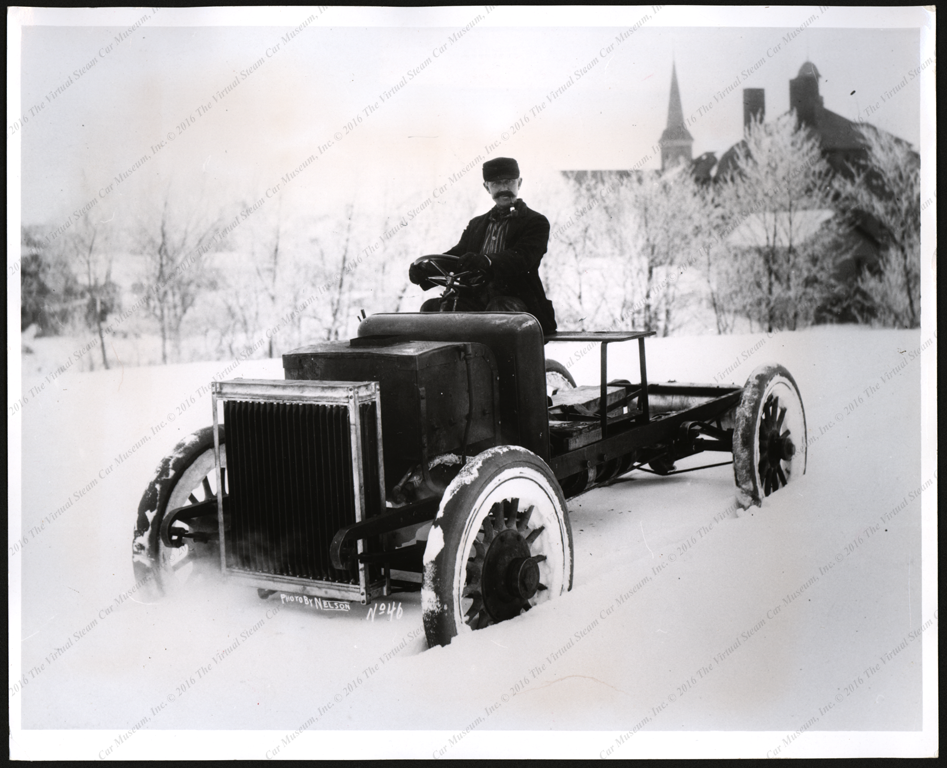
531,488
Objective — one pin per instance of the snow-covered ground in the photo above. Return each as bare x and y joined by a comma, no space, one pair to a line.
808,627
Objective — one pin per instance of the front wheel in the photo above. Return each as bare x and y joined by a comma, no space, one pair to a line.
769,436
190,550
501,543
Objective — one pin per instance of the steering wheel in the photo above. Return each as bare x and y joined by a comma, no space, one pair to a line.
447,276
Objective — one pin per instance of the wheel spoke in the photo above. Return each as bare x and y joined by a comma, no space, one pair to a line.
488,532
499,523
192,498
474,609
483,620
541,587
523,524
781,476
779,421
534,535
208,493
474,571
512,510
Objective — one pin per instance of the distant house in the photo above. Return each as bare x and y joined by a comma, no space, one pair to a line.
844,149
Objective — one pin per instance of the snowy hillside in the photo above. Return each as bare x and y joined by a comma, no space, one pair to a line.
808,627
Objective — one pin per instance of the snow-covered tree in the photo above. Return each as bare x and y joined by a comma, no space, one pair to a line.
628,238
575,270
886,188
781,225
668,212
712,259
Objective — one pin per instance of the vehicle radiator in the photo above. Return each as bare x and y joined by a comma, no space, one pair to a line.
300,467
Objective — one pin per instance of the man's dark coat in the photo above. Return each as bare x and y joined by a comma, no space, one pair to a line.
516,267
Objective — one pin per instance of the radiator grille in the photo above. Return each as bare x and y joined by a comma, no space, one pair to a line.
291,485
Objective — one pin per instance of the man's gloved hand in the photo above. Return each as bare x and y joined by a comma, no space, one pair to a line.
417,275
475,261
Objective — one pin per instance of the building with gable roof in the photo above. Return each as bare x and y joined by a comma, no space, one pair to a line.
845,150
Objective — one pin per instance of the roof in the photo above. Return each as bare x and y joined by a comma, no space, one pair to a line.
837,132
809,70
834,132
756,230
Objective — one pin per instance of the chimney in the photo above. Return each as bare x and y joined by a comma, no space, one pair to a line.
754,106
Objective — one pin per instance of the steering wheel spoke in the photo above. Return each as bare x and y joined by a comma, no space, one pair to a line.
449,278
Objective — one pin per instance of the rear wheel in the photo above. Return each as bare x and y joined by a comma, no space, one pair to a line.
557,377
501,543
769,437
190,548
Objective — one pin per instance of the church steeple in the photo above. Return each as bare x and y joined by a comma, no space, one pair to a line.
676,142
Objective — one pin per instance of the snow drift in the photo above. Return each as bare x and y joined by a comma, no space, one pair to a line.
805,620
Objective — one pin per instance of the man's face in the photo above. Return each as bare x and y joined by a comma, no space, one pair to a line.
504,191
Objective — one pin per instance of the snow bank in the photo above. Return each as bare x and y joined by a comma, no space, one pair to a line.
797,623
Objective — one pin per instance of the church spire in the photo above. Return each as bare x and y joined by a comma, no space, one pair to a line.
675,111
676,141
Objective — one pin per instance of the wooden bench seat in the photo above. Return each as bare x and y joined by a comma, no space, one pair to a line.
574,417
585,399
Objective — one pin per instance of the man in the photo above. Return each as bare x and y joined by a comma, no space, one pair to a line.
507,245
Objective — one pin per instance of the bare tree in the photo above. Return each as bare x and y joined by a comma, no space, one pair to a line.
176,246
273,262
84,242
626,235
886,189
573,266
338,296
712,259
88,246
668,209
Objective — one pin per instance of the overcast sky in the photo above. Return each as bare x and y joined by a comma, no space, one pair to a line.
493,85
